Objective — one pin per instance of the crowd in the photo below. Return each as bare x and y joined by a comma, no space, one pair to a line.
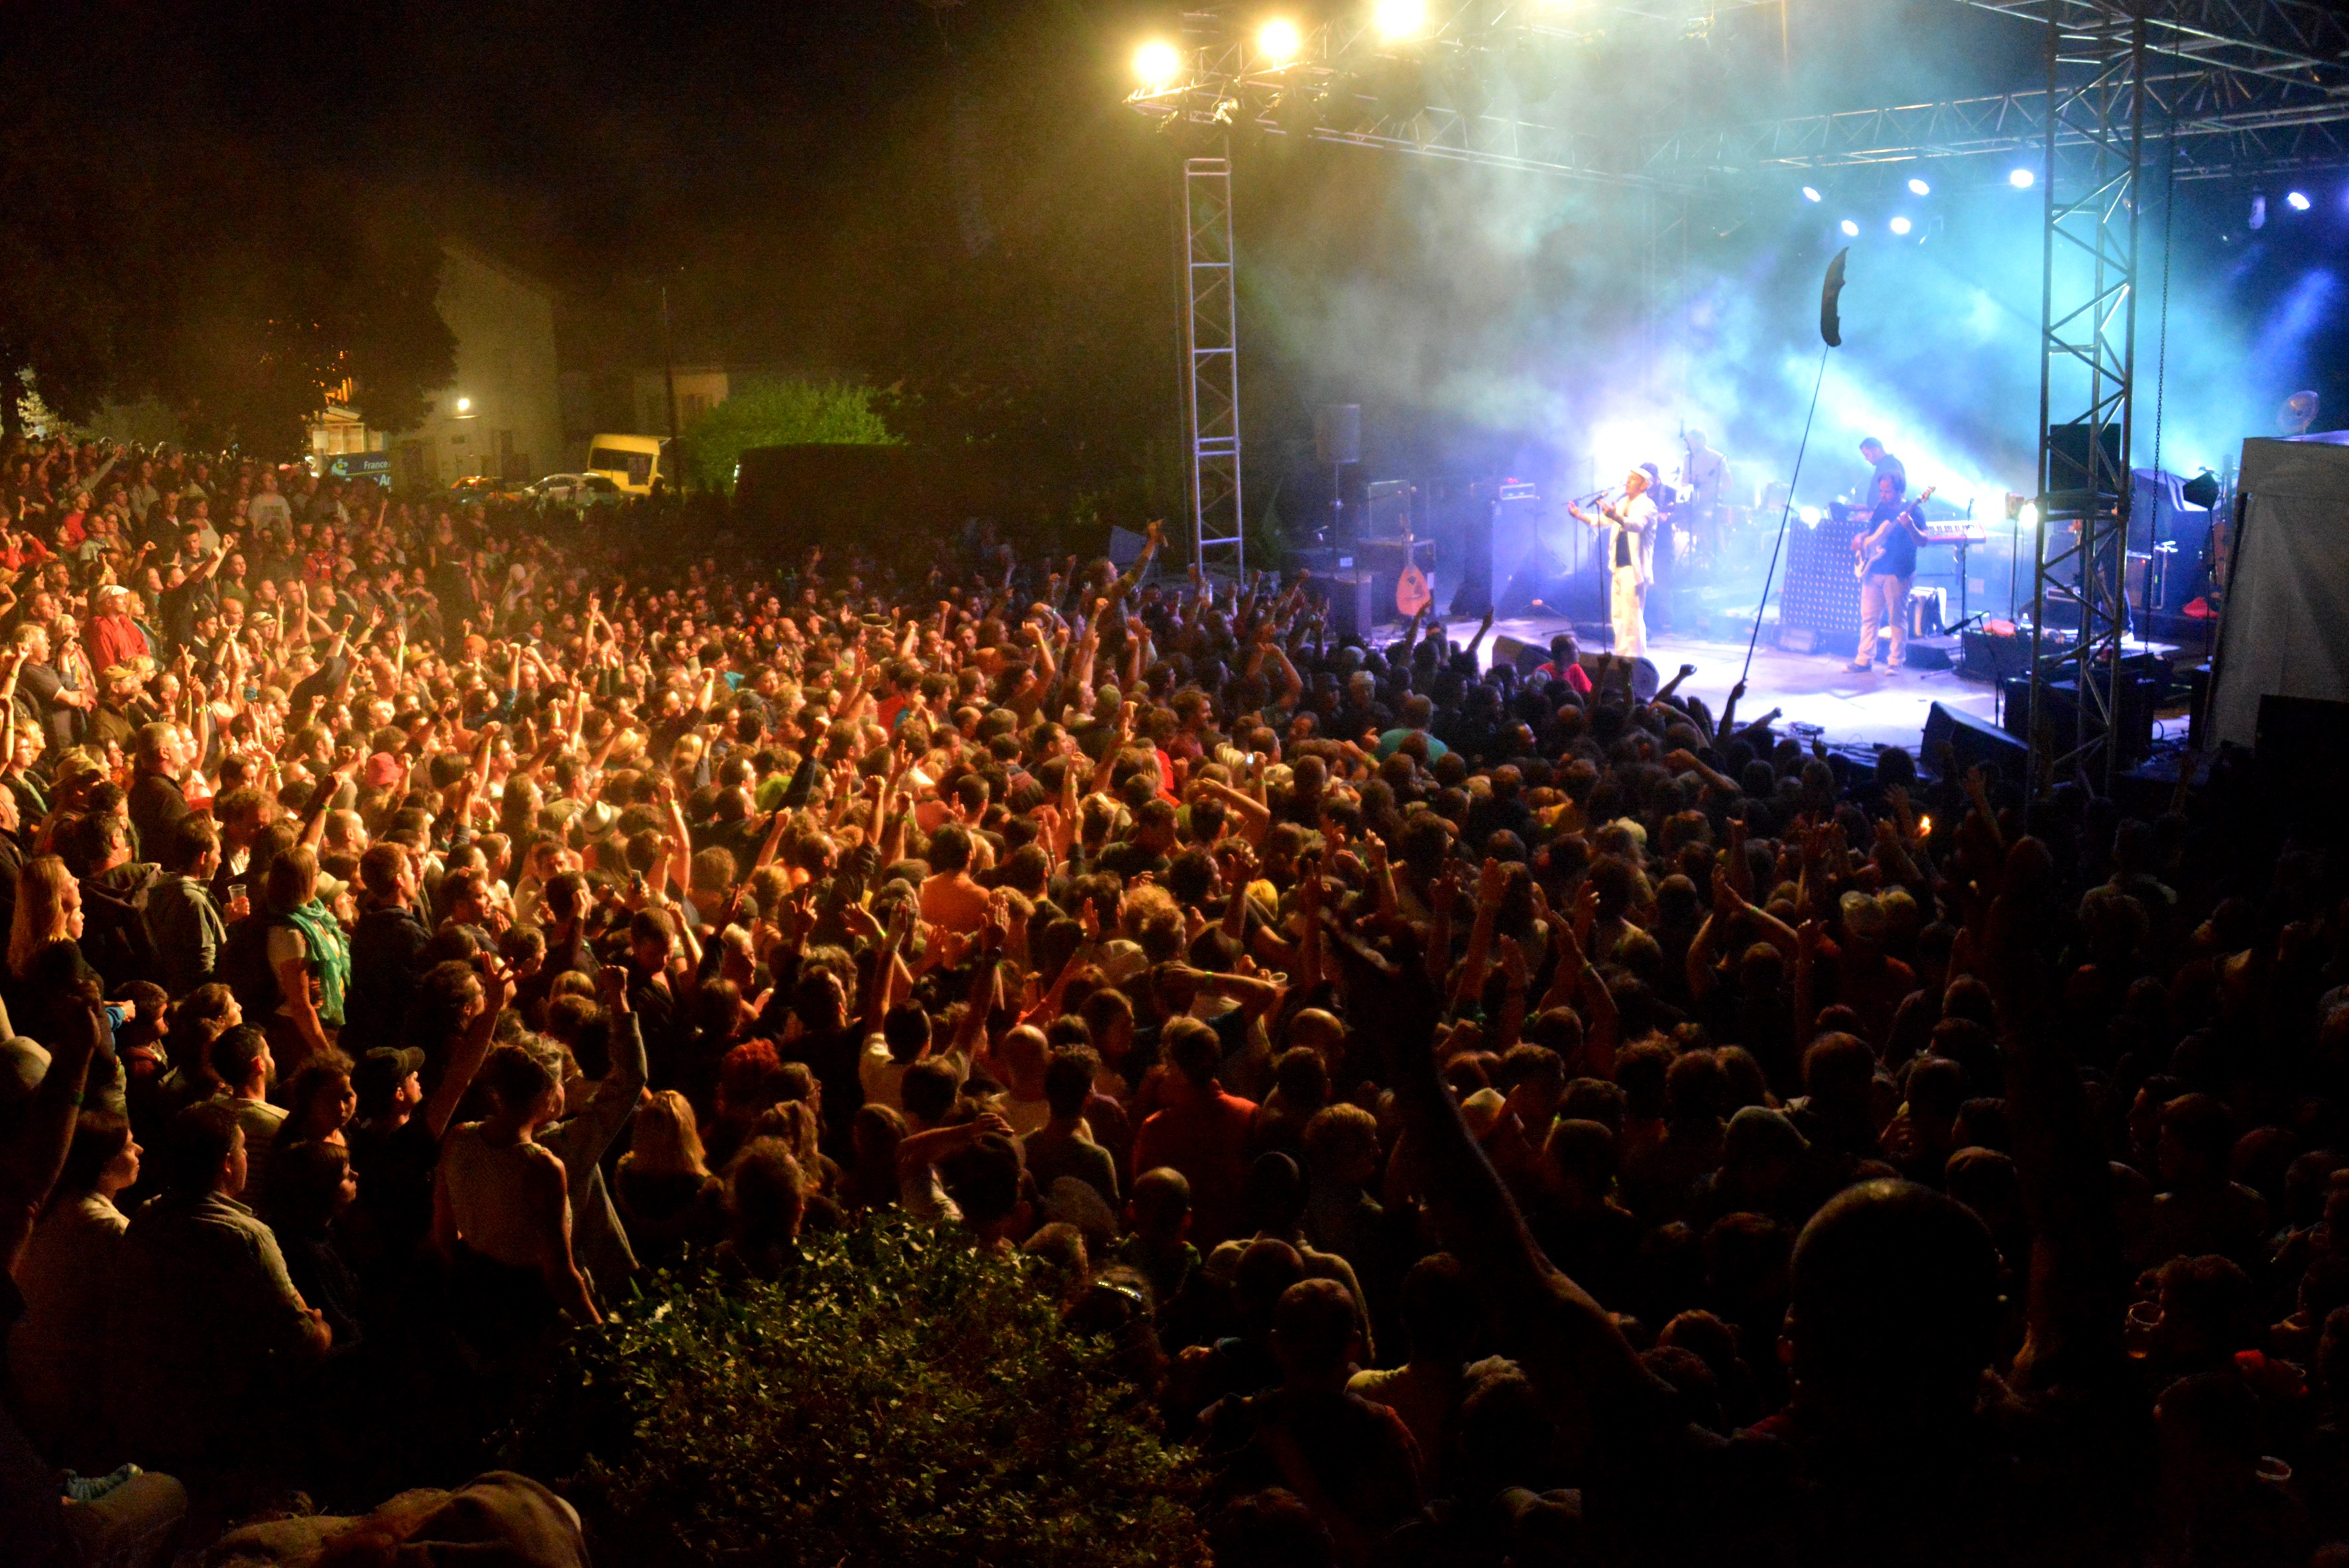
1504,1117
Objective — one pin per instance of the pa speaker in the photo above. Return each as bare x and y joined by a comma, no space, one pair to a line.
1967,741
1338,434
1353,604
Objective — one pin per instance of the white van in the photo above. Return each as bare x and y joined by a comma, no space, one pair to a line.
631,462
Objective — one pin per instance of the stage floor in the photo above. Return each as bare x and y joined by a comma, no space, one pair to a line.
1887,707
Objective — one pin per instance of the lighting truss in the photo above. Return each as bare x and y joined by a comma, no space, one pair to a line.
2245,88
1211,373
2214,140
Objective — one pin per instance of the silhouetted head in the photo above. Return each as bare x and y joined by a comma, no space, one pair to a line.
1894,1303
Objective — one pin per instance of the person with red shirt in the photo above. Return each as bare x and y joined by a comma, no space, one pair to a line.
1203,1133
111,636
1565,665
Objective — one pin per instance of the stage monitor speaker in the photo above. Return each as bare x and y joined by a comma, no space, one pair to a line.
1934,652
2140,694
1338,434
1993,656
1968,741
1523,656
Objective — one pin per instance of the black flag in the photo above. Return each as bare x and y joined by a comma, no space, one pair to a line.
1830,324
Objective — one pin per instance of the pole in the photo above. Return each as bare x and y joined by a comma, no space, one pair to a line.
669,382
1784,511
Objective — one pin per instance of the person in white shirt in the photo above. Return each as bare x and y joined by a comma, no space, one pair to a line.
270,509
1630,528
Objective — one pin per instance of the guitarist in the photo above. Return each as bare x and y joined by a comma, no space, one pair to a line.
1629,527
1888,562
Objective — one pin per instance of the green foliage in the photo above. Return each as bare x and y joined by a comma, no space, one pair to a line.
781,414
902,1399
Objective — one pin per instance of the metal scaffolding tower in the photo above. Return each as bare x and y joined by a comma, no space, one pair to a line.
1211,344
2093,152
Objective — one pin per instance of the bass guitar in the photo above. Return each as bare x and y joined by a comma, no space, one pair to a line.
1868,558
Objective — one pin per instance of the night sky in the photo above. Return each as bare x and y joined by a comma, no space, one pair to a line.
946,197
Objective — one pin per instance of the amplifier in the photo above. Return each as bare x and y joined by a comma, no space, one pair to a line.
1387,509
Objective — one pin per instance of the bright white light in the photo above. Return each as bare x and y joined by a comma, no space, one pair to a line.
2297,202
1398,19
1810,516
1157,63
2029,515
2023,180
1899,225
1810,194
464,405
1850,229
1918,188
1278,41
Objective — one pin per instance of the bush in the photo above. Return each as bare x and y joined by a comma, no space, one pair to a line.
781,414
901,1398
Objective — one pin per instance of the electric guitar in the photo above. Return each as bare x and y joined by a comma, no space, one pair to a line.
1859,567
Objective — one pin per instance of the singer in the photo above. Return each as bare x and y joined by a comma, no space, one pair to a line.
1630,525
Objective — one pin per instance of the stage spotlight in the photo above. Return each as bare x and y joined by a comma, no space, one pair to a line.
1400,19
1810,193
1850,229
1278,41
2297,202
2023,180
1918,188
1157,63
2259,219
1810,516
1899,225
2029,516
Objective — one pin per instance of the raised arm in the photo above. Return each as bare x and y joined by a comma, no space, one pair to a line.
1586,1371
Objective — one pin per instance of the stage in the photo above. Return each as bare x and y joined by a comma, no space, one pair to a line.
1887,707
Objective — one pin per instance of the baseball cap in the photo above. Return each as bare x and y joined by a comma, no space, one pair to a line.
382,770
378,1074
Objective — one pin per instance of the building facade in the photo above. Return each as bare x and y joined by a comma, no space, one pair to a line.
501,417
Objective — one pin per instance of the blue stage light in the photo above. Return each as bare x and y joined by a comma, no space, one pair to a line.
1810,193
1899,225
2023,180
2297,202
1850,229
1918,188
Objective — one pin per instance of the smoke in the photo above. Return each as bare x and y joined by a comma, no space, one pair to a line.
1483,316
1491,321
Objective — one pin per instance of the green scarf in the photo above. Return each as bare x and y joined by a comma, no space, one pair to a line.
330,955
